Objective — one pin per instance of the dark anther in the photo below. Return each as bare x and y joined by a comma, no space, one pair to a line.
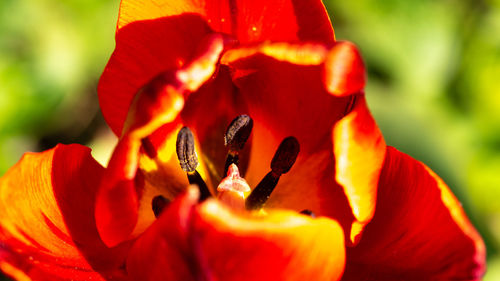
237,132
285,156
185,150
308,213
236,136
159,203
282,162
189,161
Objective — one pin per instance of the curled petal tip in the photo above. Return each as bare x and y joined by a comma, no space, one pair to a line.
344,70
193,75
356,233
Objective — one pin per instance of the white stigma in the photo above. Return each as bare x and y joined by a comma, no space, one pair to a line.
233,189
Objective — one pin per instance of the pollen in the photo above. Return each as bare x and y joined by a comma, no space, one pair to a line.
237,134
185,150
188,161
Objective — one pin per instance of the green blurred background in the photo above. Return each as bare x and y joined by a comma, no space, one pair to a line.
433,68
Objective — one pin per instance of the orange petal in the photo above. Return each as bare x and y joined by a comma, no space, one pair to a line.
208,241
419,231
47,230
359,153
280,246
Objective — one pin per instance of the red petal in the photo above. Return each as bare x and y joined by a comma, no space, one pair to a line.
419,231
116,208
191,242
145,49
248,21
153,37
165,244
359,154
47,230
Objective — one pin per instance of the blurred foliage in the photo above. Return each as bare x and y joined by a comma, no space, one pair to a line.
433,68
51,55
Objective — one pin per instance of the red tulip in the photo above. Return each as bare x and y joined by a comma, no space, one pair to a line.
201,64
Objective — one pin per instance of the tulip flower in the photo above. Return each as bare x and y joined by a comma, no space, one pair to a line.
246,152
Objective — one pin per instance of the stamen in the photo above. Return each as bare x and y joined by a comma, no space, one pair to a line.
282,162
159,203
185,150
308,213
261,193
285,156
238,131
189,161
236,136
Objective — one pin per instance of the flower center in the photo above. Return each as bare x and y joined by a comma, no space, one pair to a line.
233,190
